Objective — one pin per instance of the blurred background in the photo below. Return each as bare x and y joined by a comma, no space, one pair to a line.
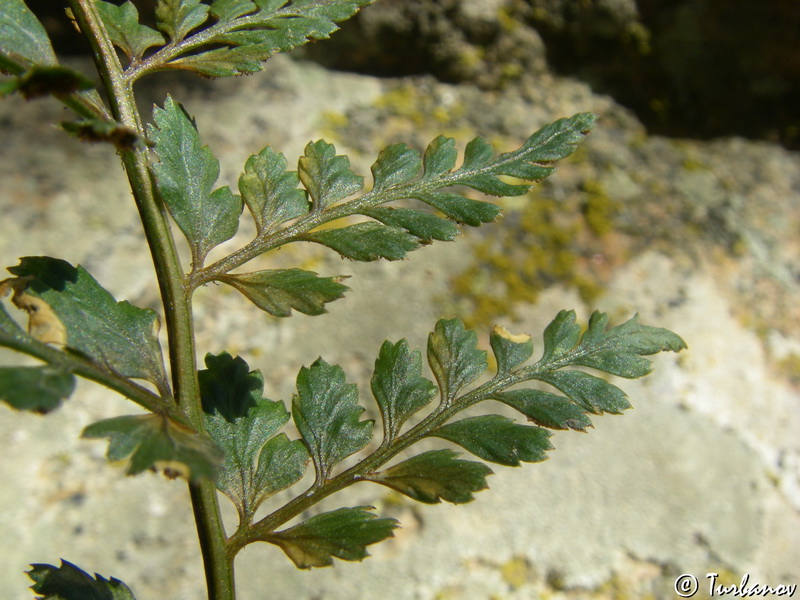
686,68
683,206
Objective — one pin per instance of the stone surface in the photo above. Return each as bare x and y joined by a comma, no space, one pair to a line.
703,475
699,68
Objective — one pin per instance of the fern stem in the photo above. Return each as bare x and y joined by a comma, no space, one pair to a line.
91,371
292,233
248,533
176,296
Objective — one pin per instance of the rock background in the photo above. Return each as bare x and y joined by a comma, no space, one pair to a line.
697,236
687,68
696,68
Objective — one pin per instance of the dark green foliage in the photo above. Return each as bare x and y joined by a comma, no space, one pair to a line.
367,241
38,389
462,210
67,306
595,395
398,386
177,18
245,33
551,143
327,413
456,363
218,430
258,463
99,130
326,175
545,409
498,439
560,336
531,162
422,224
125,31
284,212
39,81
280,290
158,443
24,39
440,157
434,476
509,350
270,191
68,582
9,329
400,173
454,357
225,10
395,165
27,54
186,173
343,533
620,350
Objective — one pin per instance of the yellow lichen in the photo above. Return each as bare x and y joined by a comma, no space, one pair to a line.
517,572
691,163
599,208
418,108
546,242
789,367
333,123
471,58
639,36
447,593
507,21
402,101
